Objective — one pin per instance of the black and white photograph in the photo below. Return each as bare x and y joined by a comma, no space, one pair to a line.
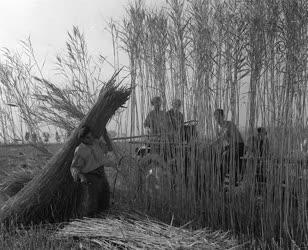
153,124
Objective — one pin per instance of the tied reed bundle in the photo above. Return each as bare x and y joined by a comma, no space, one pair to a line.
52,194
137,231
15,180
15,176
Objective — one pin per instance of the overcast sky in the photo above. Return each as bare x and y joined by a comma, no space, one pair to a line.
47,23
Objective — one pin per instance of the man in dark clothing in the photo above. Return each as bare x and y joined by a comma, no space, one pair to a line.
260,143
156,120
157,124
175,133
258,148
232,146
175,121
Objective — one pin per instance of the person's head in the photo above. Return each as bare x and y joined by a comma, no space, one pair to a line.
156,102
219,115
176,104
261,131
85,135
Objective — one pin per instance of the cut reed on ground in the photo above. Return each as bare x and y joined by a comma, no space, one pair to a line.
132,230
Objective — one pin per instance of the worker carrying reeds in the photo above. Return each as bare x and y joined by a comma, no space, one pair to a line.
231,142
88,168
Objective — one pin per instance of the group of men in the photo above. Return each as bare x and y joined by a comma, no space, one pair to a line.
233,148
160,123
91,155
229,139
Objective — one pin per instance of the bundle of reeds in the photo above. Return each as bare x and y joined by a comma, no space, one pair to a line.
16,179
52,194
17,172
137,231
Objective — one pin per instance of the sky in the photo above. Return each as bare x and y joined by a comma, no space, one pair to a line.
48,21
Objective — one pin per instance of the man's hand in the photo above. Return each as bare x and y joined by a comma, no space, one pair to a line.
75,172
83,179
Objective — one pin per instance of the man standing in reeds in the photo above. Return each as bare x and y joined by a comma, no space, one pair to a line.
88,168
258,149
156,119
258,144
232,145
156,122
176,121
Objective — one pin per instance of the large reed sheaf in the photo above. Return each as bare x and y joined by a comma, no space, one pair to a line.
52,195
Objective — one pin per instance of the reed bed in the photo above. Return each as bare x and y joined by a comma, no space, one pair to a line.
136,231
246,57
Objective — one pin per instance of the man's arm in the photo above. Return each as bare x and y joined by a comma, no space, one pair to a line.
181,119
110,156
147,122
77,162
107,140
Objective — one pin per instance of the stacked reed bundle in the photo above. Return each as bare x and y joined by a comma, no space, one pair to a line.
137,231
18,171
52,195
16,179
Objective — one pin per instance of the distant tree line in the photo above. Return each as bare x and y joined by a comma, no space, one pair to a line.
44,137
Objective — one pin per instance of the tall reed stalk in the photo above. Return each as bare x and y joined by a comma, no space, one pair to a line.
241,56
